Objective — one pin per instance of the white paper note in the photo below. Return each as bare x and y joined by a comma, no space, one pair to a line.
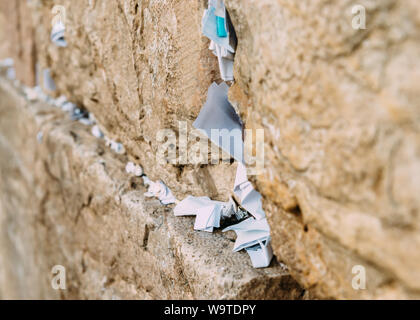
115,146
57,35
40,136
7,63
60,101
225,59
190,205
208,212
96,132
249,233
223,47
208,218
11,73
254,236
223,52
68,107
78,114
134,169
220,123
85,121
209,27
261,254
49,83
160,191
250,199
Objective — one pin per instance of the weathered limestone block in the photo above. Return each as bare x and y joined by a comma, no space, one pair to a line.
341,117
67,200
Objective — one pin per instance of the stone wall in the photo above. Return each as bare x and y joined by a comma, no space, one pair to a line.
338,106
66,200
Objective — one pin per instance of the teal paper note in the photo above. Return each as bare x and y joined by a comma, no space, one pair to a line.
221,27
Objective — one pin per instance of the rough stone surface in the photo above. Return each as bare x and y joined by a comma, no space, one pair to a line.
339,107
67,201
341,117
16,24
140,67
4,43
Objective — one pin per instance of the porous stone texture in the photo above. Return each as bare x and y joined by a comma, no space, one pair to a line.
339,108
17,38
67,200
341,115
4,44
140,67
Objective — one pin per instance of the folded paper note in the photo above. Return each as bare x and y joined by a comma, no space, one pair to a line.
260,254
190,205
85,121
79,114
219,122
209,27
208,212
225,59
36,93
250,199
232,213
115,146
134,169
57,34
68,107
223,52
40,136
249,232
92,117
11,73
218,28
208,218
219,7
49,83
96,132
31,93
60,101
254,236
159,190
7,63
